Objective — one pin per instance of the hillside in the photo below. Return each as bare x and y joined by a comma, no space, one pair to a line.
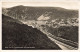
36,13
66,32
16,35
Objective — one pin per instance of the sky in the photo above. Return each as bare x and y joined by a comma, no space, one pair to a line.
67,5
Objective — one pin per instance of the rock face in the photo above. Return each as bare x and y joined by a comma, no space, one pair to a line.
39,13
15,34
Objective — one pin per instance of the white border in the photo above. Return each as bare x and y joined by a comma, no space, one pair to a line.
37,0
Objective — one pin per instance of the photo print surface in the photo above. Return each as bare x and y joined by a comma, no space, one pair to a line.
40,26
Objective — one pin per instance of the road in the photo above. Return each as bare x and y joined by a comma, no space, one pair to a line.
62,43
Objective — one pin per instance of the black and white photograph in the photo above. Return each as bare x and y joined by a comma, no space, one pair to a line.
40,26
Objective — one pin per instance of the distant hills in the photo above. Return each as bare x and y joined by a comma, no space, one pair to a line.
39,13
15,34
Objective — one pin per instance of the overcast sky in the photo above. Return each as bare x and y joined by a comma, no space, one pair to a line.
67,5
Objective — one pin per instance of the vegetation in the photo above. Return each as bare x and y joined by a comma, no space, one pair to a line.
33,13
19,35
66,32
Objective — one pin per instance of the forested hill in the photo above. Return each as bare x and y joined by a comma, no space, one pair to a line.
16,34
36,13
